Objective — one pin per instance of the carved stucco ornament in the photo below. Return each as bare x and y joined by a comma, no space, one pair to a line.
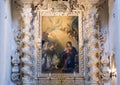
91,16
105,69
93,42
107,62
15,61
26,49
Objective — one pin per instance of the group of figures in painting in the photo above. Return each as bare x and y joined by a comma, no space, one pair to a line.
60,44
64,62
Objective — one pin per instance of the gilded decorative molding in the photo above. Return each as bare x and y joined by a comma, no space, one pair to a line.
41,13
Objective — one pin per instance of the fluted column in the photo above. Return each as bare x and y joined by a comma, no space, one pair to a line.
93,46
26,44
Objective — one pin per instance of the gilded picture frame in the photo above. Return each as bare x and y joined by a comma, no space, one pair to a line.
47,13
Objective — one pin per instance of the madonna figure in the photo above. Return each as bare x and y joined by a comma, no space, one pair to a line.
69,58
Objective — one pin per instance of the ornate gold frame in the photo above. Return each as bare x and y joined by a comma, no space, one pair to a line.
81,49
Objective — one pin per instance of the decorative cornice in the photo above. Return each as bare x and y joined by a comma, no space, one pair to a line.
68,5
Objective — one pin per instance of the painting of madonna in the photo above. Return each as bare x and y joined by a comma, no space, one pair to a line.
69,58
60,44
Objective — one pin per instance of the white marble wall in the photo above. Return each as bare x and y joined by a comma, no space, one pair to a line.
114,34
118,47
5,42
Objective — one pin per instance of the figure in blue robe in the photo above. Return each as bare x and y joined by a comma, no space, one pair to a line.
69,58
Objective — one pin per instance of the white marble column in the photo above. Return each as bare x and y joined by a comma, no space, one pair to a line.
5,42
26,44
93,45
114,33
118,47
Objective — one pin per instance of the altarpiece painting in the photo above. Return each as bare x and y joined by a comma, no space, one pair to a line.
60,44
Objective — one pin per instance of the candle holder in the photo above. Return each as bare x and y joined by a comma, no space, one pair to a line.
49,76
74,74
